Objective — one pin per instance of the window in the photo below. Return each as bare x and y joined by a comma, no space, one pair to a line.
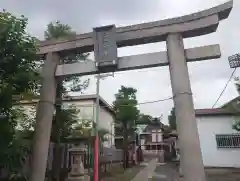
228,141
154,137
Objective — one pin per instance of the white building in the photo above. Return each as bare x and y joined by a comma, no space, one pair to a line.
220,143
86,104
151,137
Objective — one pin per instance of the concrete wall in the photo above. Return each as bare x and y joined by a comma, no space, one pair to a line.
208,127
107,123
86,108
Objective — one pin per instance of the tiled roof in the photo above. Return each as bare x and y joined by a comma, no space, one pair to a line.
151,127
214,112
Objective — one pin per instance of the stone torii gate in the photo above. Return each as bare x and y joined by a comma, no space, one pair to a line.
104,41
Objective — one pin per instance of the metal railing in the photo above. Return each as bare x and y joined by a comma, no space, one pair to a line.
228,141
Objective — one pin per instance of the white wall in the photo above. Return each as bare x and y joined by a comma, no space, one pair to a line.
107,122
160,136
87,109
157,135
208,127
154,137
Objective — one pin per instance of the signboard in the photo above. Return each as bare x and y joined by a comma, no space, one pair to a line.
105,46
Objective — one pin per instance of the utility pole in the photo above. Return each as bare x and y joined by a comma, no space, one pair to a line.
96,142
111,133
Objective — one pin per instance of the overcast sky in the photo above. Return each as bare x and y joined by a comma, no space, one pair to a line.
207,77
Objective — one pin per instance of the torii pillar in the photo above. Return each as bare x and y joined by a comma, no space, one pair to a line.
45,110
190,151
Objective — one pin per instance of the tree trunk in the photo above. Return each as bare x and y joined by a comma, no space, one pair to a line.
56,166
125,146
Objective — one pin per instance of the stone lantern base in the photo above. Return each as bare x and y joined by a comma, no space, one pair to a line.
84,177
77,172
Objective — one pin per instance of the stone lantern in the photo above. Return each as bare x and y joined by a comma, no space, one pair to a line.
77,172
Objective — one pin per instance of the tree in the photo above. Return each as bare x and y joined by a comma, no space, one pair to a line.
172,119
144,119
57,30
148,119
18,76
235,106
125,107
83,129
237,84
66,123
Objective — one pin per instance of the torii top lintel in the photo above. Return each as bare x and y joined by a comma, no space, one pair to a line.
196,24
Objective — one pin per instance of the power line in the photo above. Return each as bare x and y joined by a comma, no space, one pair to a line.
230,78
141,103
150,102
139,71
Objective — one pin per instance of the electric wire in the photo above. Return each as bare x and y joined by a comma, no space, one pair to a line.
225,87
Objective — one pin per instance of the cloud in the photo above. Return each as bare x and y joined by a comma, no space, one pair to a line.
207,77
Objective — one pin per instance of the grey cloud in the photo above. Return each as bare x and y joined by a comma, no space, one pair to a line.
207,77
85,14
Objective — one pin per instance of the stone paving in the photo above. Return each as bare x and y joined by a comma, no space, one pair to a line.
155,171
147,172
168,172
165,172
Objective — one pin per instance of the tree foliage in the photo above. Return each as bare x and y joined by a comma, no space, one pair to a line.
172,120
236,106
57,30
17,59
148,119
127,113
69,118
125,105
18,76
144,119
237,84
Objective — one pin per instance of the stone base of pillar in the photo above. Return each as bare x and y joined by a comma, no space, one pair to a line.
180,172
78,178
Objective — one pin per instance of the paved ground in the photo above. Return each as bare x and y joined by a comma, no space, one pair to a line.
223,177
147,172
155,171
168,172
165,172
